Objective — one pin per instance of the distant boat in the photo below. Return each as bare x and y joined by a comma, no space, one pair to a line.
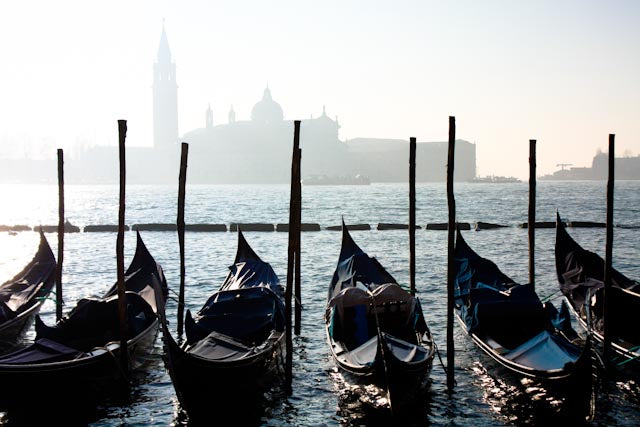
493,179
336,180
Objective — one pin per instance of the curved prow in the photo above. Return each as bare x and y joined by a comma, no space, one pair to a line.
348,247
244,252
143,266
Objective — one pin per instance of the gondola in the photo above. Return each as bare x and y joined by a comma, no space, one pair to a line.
581,279
375,329
22,296
79,356
234,347
509,322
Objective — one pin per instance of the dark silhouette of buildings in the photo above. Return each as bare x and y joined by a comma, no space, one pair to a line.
254,150
626,168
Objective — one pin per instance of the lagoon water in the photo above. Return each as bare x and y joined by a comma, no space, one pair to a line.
483,396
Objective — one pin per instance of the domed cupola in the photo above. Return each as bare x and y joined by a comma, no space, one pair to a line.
267,111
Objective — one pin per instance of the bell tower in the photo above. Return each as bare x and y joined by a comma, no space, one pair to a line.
165,97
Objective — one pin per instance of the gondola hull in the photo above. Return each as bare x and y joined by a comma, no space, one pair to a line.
581,280
579,370
12,332
22,297
201,383
398,381
86,378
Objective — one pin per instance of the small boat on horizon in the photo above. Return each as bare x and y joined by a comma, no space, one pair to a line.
336,180
494,179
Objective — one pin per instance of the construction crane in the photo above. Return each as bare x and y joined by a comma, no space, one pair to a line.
564,165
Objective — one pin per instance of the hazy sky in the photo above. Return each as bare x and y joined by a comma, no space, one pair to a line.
564,72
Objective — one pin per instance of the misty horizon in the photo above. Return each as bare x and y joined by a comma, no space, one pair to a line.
562,75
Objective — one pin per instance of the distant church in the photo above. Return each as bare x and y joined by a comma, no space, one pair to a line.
257,149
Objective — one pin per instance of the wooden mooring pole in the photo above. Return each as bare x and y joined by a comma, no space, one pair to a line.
608,259
451,274
412,215
122,297
295,175
532,212
298,222
182,183
59,300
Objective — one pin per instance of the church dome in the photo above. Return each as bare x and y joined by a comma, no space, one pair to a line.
267,111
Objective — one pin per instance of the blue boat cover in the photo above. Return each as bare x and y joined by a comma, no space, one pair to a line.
247,307
355,266
581,273
491,304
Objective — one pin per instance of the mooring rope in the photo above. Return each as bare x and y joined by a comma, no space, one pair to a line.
441,363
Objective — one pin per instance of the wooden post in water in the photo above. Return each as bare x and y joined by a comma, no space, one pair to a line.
412,215
451,274
532,211
182,182
298,211
122,297
291,256
60,234
608,259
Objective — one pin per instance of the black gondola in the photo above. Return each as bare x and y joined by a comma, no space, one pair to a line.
79,356
234,348
22,296
581,278
376,330
509,322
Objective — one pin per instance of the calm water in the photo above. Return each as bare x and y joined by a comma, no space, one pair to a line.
481,396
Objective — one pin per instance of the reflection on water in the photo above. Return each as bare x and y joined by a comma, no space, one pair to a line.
484,395
514,399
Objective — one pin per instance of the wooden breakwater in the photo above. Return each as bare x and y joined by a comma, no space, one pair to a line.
306,227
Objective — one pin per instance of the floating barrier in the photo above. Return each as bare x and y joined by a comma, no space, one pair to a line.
445,226
68,228
390,226
488,226
15,228
206,227
350,227
542,224
251,227
154,227
310,226
586,224
102,228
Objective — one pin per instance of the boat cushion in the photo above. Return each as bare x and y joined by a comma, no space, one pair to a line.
544,351
248,315
510,318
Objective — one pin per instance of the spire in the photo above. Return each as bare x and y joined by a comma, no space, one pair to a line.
324,111
267,94
232,116
164,53
209,119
